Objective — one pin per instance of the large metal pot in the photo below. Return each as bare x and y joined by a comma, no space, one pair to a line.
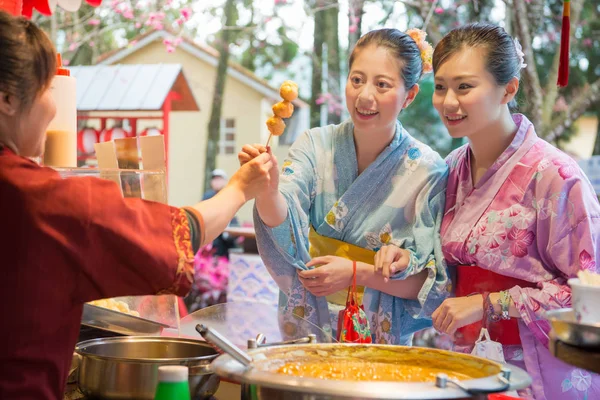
127,367
260,380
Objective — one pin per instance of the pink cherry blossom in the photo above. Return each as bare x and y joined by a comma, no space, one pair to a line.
94,22
439,10
352,28
186,13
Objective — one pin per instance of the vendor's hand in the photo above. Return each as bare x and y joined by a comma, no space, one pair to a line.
254,176
250,152
457,312
334,274
391,259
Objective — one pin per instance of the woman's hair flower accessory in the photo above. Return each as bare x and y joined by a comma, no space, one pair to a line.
520,53
424,46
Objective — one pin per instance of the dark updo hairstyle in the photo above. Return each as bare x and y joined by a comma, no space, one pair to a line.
502,61
27,59
401,46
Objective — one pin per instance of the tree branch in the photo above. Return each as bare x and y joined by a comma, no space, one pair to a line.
579,106
533,81
429,15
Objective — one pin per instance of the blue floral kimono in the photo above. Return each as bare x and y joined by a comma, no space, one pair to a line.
398,199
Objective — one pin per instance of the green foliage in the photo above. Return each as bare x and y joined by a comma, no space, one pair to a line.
422,121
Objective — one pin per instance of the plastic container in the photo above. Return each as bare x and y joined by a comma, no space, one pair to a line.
61,135
585,299
172,383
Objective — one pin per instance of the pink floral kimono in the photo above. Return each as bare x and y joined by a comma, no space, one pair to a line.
535,217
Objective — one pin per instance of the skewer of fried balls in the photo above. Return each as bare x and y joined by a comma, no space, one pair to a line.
284,109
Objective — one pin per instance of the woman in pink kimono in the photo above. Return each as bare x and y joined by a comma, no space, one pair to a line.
520,218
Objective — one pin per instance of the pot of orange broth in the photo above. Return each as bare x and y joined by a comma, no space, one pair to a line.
286,357
366,371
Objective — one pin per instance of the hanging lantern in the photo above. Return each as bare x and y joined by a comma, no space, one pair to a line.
151,132
114,133
44,7
86,138
12,7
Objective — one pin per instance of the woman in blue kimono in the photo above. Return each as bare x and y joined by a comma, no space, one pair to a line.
346,190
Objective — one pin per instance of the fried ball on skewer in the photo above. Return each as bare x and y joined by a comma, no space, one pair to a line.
283,109
289,90
276,126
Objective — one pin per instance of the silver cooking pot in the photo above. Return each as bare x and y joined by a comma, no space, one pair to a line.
127,367
261,381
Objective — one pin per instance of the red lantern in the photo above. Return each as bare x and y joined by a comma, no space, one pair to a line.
13,7
86,138
44,7
151,132
114,133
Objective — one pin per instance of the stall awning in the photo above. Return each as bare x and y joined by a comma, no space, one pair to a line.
132,87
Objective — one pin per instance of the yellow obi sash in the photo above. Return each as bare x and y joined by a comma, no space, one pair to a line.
325,246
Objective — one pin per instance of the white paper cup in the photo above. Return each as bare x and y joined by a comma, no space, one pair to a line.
586,301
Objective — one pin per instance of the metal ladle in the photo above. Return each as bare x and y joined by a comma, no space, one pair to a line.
216,339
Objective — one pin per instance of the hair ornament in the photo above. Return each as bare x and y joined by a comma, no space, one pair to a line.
520,53
424,46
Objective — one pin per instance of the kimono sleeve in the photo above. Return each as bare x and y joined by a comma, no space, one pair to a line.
425,247
568,239
296,183
116,246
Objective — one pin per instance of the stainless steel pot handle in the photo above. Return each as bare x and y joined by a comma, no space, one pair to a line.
261,341
74,369
442,380
216,339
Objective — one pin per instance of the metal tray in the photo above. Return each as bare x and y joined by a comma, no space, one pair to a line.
566,329
115,321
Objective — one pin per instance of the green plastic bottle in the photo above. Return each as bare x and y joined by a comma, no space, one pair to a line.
172,383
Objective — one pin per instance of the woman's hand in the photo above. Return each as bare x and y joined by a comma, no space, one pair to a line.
457,312
391,259
334,274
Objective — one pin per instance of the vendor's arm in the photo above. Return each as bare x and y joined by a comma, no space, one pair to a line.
218,211
119,246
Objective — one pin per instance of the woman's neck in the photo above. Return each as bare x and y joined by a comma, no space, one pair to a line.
7,134
489,144
369,145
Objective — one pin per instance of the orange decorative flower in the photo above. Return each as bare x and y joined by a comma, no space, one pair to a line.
417,34
425,47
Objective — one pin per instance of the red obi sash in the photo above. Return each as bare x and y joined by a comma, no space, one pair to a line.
472,279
